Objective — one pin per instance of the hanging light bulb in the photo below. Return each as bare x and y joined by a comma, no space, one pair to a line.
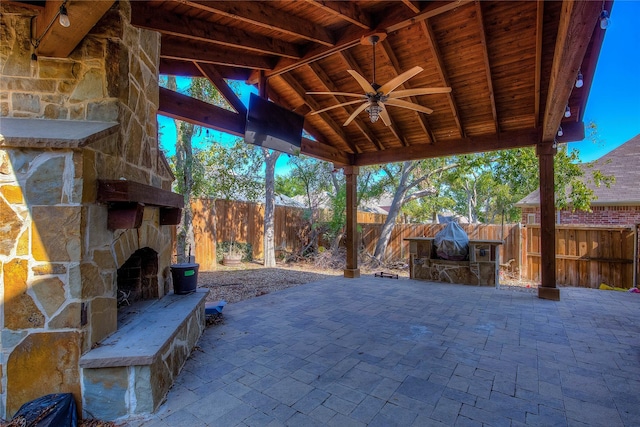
560,133
604,19
579,80
374,112
33,63
567,112
64,17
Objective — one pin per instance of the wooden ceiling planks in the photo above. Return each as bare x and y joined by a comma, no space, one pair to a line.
499,57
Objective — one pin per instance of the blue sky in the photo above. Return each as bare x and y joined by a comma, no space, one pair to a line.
613,104
614,100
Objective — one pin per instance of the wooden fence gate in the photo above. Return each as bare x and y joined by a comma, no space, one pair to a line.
587,256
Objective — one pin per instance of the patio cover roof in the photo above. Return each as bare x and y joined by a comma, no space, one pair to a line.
511,66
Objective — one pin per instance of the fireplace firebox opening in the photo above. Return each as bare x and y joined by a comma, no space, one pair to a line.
138,278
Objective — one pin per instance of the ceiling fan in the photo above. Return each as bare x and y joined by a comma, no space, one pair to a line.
376,97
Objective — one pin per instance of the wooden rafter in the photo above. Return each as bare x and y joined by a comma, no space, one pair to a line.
487,64
358,122
182,107
431,40
151,18
208,53
422,119
400,17
577,22
346,10
264,16
413,5
218,81
538,71
313,105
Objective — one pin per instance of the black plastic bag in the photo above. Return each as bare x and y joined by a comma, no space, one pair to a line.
52,410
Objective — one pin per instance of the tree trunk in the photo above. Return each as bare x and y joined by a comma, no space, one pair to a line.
270,158
389,223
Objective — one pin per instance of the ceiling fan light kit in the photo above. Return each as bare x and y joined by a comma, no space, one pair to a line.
375,96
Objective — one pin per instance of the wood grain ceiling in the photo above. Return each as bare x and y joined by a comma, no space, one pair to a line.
511,66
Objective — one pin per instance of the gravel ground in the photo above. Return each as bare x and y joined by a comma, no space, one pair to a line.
249,280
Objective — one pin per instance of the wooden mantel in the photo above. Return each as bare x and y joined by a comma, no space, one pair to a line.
127,199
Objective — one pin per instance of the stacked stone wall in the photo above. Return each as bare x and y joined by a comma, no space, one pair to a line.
58,260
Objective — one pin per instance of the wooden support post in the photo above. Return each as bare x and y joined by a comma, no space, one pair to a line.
547,289
351,174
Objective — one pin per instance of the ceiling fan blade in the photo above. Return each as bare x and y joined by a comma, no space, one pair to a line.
409,105
357,95
364,84
384,115
398,80
419,91
337,105
355,113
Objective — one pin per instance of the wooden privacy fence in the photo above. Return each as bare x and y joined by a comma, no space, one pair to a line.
587,256
226,220
398,248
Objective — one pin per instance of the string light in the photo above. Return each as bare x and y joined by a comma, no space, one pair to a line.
604,19
567,112
64,17
560,132
579,80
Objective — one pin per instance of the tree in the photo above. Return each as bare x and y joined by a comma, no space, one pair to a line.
407,181
270,159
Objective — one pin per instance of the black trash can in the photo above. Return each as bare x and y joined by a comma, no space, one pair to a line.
185,277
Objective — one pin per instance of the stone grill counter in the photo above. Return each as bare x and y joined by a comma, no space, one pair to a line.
481,268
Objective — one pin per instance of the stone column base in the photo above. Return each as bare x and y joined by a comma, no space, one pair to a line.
549,293
351,273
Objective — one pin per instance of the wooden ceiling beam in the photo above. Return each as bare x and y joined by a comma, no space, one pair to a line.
58,41
331,87
433,45
413,5
538,71
422,119
345,10
499,141
144,16
205,52
219,82
314,106
487,63
265,16
352,64
396,18
188,68
578,20
182,107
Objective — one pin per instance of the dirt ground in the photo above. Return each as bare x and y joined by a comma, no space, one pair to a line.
249,280
233,284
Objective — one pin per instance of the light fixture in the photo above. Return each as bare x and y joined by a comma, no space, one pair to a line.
33,63
555,144
64,17
567,112
374,111
560,133
604,19
579,80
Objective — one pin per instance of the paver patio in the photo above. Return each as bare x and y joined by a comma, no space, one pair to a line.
380,352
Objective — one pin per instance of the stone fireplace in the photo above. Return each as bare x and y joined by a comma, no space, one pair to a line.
69,255
137,278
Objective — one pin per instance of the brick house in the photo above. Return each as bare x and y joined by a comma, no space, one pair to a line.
618,204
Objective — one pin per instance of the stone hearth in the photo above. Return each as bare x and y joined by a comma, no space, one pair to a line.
83,119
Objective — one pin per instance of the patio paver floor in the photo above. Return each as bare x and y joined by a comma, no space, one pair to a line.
380,352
